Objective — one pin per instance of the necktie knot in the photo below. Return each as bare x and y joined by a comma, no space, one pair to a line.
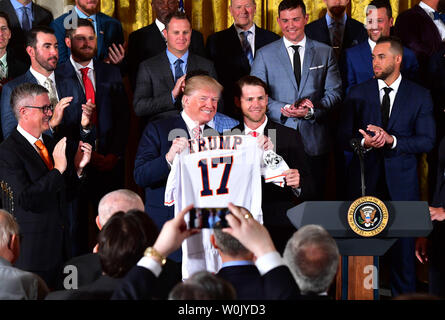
246,45
295,48
438,16
84,71
253,134
387,90
39,144
196,132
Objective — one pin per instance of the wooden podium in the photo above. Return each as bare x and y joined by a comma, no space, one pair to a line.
359,255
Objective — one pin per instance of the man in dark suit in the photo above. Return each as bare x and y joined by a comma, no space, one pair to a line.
357,67
161,79
42,178
336,29
162,139
23,15
150,41
304,85
393,136
232,50
422,29
277,281
42,50
110,36
251,97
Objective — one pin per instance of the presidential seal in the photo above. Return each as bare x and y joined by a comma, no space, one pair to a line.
367,216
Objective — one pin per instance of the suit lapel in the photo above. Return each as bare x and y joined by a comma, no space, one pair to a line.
366,55
309,54
100,37
99,73
324,32
28,149
13,19
30,78
374,102
399,101
283,56
235,44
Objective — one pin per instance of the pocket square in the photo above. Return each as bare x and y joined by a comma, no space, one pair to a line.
317,67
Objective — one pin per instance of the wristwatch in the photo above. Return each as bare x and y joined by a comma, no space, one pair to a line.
151,252
309,114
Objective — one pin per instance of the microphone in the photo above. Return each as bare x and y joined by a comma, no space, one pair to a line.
356,145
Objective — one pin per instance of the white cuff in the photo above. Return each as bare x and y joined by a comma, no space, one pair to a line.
394,144
150,264
269,261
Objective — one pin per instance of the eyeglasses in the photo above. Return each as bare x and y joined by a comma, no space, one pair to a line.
44,109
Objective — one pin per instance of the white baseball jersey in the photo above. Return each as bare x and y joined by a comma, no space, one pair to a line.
210,173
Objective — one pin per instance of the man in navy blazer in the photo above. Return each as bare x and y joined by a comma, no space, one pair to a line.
304,86
108,30
392,118
357,67
227,49
351,32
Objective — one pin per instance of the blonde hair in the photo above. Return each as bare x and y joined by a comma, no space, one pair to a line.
199,82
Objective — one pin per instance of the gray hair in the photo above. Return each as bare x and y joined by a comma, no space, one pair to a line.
8,227
312,256
228,244
118,200
22,92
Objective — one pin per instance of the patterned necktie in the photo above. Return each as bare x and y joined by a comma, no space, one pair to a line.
49,85
89,91
3,72
196,132
297,65
253,134
385,107
178,69
25,19
246,45
336,38
44,154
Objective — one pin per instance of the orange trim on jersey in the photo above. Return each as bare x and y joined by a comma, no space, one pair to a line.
169,202
281,175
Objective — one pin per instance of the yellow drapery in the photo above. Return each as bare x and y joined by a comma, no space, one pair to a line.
209,16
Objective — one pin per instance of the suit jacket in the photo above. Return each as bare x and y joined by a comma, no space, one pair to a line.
41,16
109,31
357,66
155,82
148,42
224,49
111,103
411,122
88,268
436,83
354,33
245,279
320,82
40,198
419,33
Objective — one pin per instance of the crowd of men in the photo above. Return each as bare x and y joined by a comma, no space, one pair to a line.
65,123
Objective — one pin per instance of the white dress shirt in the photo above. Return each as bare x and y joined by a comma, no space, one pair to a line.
250,37
90,74
290,51
29,137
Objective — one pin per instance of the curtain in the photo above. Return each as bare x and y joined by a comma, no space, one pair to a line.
209,16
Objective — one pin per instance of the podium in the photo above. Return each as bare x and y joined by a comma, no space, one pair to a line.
359,263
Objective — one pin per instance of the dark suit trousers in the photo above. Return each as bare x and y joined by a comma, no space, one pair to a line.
318,166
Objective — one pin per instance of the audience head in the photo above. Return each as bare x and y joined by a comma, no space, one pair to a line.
123,240
118,200
9,237
32,108
163,8
88,7
251,97
292,19
336,8
5,31
178,33
42,48
379,19
387,58
229,247
82,41
243,13
312,257
200,98
203,285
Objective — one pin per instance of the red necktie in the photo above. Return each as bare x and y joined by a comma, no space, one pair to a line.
89,91
253,134
44,154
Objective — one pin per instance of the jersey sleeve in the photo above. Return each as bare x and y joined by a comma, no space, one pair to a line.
170,188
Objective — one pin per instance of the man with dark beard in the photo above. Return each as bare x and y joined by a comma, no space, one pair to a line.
41,46
392,118
336,29
100,85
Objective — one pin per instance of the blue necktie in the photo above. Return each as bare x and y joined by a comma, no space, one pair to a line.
438,16
25,19
178,70
246,45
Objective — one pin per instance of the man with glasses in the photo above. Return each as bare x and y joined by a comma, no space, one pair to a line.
43,176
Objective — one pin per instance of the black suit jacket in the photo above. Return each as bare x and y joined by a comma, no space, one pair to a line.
17,41
148,42
40,198
224,49
88,268
354,33
152,97
246,280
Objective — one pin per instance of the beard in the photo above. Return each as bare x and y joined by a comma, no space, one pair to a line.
338,11
385,73
46,64
80,55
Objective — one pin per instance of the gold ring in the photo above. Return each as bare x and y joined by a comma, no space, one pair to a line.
246,216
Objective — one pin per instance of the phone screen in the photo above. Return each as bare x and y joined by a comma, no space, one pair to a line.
202,218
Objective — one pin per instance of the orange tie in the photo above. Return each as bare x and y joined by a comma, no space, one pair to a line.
44,154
